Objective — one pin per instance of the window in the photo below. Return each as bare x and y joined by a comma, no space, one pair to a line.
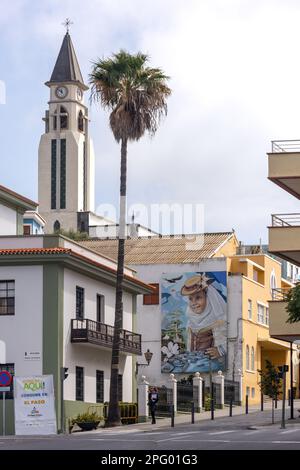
252,359
7,297
249,309
80,121
56,226
26,229
100,308
152,299
11,369
260,313
120,387
79,303
63,173
55,121
53,173
248,391
267,315
247,358
63,118
99,386
252,392
79,384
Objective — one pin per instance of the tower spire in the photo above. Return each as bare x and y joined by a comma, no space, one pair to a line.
67,68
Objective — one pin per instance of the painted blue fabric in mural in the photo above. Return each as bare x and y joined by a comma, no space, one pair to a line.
194,322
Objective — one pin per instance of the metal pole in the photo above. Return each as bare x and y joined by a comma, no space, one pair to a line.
172,416
62,414
230,408
193,412
289,397
292,382
276,401
212,409
261,401
283,400
246,404
3,420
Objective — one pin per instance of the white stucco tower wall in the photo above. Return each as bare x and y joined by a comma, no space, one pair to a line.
66,154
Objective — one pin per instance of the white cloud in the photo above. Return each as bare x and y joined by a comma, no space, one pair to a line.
235,79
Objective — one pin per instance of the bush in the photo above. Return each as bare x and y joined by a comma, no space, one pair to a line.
87,418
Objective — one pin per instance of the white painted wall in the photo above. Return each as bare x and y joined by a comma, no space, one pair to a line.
89,356
23,332
8,221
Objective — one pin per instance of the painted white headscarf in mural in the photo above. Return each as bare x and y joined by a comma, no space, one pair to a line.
213,317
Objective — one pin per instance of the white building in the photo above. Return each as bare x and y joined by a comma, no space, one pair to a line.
57,309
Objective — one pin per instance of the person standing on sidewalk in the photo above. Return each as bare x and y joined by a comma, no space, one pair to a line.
152,401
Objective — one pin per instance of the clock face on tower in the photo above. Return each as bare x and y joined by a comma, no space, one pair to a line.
61,92
79,94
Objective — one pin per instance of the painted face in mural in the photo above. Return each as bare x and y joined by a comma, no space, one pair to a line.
197,301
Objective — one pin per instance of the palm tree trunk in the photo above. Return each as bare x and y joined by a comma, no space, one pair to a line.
113,410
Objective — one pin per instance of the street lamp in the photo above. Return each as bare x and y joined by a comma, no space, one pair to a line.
148,356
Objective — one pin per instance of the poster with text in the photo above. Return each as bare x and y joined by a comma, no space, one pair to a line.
194,322
34,405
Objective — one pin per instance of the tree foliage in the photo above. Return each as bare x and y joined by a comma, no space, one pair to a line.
270,383
135,93
293,304
76,236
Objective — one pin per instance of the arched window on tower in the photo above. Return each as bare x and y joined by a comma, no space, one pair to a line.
63,118
80,121
56,226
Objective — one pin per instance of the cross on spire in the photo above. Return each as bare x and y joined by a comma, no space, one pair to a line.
67,23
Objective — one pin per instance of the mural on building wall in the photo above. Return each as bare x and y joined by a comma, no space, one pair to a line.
194,322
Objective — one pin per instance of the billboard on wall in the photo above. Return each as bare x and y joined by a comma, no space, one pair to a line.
194,322
34,405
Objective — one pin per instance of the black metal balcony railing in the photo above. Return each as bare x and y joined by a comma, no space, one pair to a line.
285,146
89,331
286,220
280,294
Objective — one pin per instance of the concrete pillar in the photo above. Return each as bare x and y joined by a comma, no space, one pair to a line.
143,388
239,378
219,379
174,388
197,383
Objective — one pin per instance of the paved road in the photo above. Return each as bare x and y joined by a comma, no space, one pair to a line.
221,434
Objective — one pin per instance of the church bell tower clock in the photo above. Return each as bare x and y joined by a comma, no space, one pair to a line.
66,156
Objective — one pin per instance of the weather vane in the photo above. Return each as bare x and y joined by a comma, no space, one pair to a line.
67,23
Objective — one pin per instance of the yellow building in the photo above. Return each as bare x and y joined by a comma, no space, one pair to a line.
259,274
250,278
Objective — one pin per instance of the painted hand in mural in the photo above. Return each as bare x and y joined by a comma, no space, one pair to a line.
213,353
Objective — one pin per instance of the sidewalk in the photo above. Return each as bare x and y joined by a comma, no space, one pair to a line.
262,418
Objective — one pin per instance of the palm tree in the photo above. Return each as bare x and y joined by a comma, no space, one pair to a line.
135,94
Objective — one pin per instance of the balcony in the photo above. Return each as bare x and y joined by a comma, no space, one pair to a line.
284,165
89,331
284,237
278,326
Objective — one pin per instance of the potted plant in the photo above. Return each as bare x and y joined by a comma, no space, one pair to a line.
87,421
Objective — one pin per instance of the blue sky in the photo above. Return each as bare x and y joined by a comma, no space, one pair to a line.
235,80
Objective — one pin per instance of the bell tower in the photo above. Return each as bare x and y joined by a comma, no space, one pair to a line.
66,155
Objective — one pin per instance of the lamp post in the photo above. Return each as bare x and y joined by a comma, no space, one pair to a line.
148,356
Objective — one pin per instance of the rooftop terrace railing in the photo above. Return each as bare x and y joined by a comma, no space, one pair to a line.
285,146
286,220
280,295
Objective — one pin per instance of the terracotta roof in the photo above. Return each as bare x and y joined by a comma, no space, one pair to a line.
18,196
34,251
68,251
163,249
